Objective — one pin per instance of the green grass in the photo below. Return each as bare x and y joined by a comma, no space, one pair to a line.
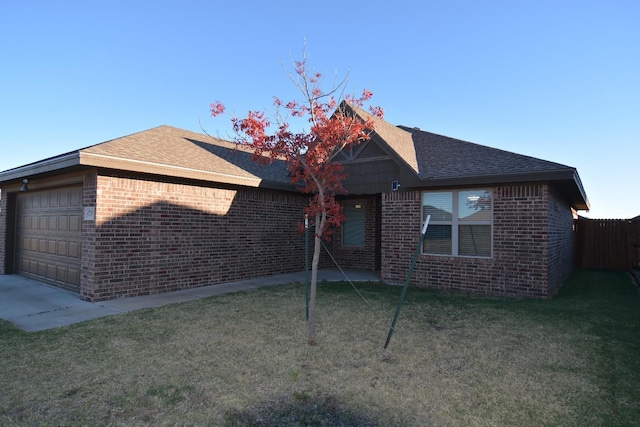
242,360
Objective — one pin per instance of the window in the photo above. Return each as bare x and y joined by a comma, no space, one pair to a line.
461,222
353,224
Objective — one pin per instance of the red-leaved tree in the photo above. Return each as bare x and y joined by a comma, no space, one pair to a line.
308,153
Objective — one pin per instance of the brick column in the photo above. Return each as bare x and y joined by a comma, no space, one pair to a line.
3,231
87,268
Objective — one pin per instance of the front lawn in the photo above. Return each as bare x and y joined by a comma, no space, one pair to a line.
242,359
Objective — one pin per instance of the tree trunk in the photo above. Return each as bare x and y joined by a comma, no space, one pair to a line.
314,281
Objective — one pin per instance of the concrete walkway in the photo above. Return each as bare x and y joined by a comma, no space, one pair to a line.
34,306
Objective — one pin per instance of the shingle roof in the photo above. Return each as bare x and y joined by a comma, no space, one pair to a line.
168,151
432,158
170,147
397,139
441,157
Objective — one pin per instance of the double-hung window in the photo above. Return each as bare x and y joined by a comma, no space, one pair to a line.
461,222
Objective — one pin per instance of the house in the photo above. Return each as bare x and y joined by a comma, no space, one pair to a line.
501,223
168,209
157,211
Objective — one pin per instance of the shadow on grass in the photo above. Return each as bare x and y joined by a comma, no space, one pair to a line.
300,409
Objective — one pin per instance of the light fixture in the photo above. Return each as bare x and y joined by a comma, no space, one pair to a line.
24,185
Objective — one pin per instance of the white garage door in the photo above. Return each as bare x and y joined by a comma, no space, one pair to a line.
49,236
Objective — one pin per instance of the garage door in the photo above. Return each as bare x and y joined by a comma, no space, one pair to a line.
49,236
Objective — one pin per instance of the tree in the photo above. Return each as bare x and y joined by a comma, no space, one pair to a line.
308,153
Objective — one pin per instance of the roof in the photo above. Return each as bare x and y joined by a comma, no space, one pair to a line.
438,160
169,151
397,141
432,160
441,157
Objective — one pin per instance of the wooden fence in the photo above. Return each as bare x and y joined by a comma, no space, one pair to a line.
612,244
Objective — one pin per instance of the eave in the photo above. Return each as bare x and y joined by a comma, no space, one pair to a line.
566,180
82,159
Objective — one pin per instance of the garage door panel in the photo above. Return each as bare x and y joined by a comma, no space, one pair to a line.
47,270
74,250
63,198
43,199
73,276
74,223
76,198
49,236
62,248
63,222
61,274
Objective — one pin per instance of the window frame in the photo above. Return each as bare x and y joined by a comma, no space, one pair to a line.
456,222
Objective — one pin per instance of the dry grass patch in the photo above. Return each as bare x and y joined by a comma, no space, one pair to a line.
242,359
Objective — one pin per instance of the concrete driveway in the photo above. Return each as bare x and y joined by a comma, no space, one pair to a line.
35,306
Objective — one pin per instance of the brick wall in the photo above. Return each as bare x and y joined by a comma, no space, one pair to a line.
520,248
153,237
561,241
519,266
3,232
368,256
401,224
88,253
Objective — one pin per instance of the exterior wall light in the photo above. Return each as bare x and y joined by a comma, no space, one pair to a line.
24,185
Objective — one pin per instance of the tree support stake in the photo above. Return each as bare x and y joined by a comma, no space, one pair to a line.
407,280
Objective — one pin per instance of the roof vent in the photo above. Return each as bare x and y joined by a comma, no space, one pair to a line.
417,128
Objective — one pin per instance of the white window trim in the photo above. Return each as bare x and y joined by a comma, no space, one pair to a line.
456,222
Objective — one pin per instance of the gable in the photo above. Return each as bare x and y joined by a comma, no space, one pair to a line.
372,167
365,151
393,140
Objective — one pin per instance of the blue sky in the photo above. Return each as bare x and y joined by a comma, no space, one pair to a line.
557,80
